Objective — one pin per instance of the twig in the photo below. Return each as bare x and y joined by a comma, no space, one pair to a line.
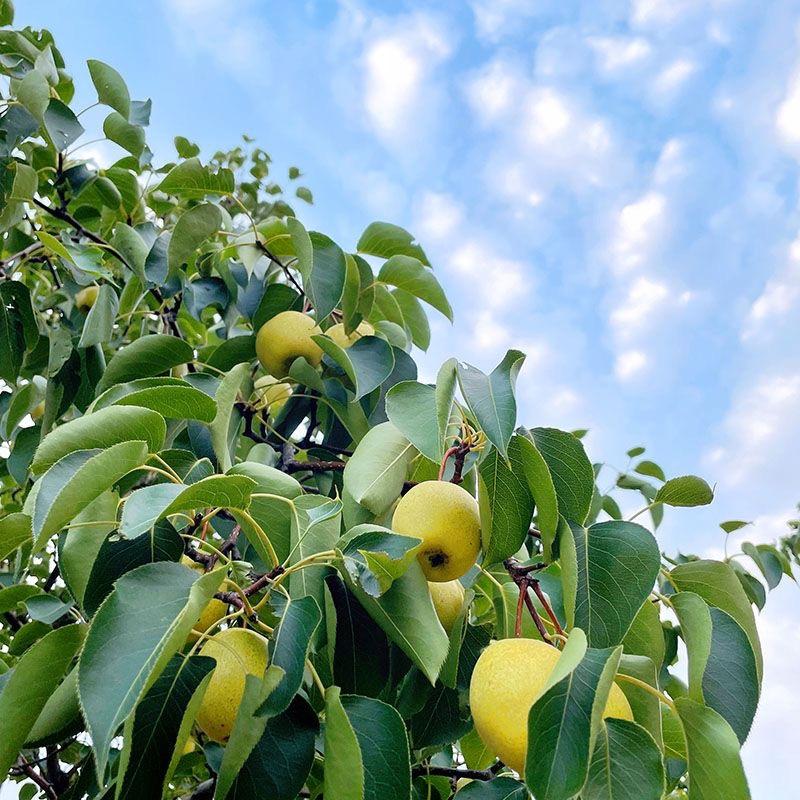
38,779
456,772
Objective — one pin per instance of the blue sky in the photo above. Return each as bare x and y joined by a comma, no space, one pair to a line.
609,186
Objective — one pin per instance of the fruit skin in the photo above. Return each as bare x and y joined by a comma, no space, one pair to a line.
445,516
284,338
214,611
448,599
337,333
508,678
271,393
86,298
238,652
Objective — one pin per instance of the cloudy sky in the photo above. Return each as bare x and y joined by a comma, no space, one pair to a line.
609,185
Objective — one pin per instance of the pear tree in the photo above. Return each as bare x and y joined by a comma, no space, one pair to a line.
246,552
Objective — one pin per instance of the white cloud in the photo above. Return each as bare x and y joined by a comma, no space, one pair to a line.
779,298
493,91
671,79
640,225
642,301
494,18
630,364
438,216
617,55
502,281
399,57
759,431
657,13
787,117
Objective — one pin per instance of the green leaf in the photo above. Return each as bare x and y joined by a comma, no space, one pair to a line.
191,230
121,658
734,525
411,408
15,530
154,731
170,397
76,480
147,505
288,740
768,561
326,283
344,776
505,501
100,429
722,669
185,148
563,722
368,746
367,362
191,179
626,764
358,649
497,789
645,705
645,637
78,549
26,182
18,330
225,420
717,584
375,557
292,641
35,677
688,490
375,474
385,240
129,137
33,92
491,397
144,357
409,274
99,324
571,470
61,124
61,716
651,469
715,766
615,564
540,484
118,556
406,614
110,86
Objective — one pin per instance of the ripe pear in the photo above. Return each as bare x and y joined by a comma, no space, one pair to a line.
345,340
271,393
214,611
448,598
508,678
445,516
86,298
284,338
238,652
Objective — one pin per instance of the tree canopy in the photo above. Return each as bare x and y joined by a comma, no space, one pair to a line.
210,416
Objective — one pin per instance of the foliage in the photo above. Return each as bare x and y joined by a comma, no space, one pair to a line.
139,431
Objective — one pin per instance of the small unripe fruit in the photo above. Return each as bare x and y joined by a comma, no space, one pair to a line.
445,516
86,298
214,611
284,338
37,412
448,599
271,393
509,677
344,340
238,652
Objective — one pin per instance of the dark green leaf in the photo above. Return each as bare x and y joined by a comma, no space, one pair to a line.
688,490
147,356
385,240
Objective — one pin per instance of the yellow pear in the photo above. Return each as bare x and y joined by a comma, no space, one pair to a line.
284,338
238,652
214,611
271,393
85,298
445,516
190,746
344,340
37,412
448,598
508,678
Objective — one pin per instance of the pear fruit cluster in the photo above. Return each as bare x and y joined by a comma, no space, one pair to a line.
239,652
511,675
